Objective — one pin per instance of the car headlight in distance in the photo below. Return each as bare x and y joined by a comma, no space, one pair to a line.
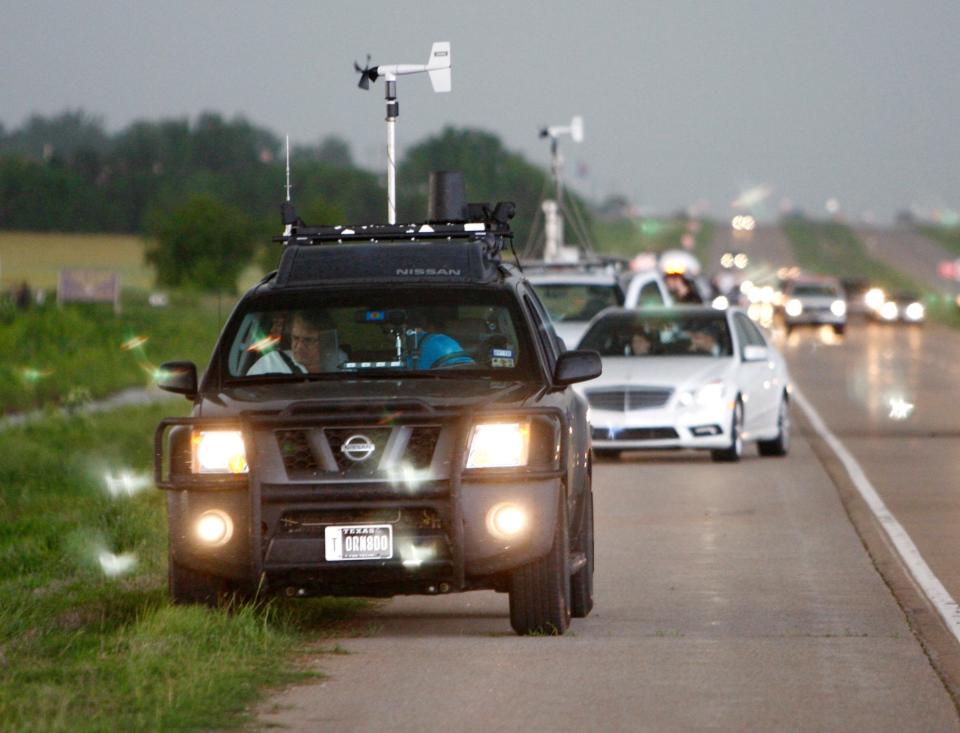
915,312
219,451
838,308
888,311
499,445
793,307
874,298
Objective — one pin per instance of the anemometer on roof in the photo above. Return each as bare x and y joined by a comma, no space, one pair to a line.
438,67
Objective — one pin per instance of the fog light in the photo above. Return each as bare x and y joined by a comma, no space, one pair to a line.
214,528
506,521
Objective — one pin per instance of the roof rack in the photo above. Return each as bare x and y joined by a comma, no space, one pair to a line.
481,224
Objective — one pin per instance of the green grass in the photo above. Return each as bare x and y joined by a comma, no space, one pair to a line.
83,652
56,354
629,237
946,236
832,248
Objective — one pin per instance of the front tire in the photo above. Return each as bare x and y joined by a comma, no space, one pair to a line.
780,445
581,583
839,330
540,590
735,451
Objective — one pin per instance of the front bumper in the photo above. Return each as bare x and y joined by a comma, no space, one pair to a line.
670,427
438,519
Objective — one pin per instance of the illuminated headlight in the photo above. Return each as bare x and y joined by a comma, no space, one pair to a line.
499,445
505,521
915,312
888,311
793,307
874,298
214,528
838,308
720,302
219,451
706,396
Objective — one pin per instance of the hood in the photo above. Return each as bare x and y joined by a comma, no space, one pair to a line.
663,371
438,393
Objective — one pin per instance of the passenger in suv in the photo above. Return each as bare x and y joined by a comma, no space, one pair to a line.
379,468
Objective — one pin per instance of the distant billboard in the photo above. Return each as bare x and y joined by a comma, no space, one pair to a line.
89,286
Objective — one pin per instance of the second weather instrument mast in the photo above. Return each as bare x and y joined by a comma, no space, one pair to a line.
438,67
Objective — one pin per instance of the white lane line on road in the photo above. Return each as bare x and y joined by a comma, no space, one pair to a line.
929,583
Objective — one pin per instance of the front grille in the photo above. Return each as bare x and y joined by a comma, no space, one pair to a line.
634,434
358,464
316,452
632,398
296,452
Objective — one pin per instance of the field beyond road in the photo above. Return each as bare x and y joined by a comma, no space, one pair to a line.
38,257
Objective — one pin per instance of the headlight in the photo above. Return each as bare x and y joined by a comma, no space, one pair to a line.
838,308
499,445
915,311
709,394
874,298
219,451
793,307
888,310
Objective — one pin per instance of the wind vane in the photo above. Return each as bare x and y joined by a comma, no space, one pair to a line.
438,67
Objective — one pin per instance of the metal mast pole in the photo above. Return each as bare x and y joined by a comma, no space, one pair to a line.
393,111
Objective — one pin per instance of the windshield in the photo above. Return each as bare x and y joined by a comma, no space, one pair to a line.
569,302
813,290
326,335
664,334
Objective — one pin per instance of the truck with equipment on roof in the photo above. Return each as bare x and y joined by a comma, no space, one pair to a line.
388,413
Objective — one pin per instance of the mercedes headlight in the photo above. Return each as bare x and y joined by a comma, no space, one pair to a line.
499,445
838,308
793,307
708,395
219,451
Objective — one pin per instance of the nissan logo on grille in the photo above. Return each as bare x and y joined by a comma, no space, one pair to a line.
357,448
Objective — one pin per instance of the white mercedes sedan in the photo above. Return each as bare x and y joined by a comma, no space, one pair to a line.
686,377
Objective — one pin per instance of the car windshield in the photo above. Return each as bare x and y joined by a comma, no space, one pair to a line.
379,332
814,290
577,302
663,334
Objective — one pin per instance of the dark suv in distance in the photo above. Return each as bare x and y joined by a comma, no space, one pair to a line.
388,413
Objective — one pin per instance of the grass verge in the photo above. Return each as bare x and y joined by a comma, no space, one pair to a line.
84,651
68,354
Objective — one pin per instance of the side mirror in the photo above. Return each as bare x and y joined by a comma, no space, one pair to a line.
755,353
179,377
576,366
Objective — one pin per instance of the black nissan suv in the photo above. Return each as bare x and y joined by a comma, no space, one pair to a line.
435,445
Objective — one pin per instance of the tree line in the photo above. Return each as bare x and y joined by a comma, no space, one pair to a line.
67,173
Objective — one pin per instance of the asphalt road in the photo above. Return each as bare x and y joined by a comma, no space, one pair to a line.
729,597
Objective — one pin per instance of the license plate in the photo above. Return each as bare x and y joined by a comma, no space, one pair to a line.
359,542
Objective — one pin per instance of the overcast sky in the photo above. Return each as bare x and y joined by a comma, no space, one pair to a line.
683,101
